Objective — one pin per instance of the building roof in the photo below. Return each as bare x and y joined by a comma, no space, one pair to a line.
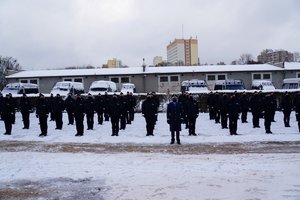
292,65
150,70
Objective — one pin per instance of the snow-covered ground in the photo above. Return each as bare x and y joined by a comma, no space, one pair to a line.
42,175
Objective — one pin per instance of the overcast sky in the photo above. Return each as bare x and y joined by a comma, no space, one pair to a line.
45,34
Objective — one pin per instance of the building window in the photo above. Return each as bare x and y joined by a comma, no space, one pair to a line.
262,76
75,79
122,79
174,78
164,79
34,81
298,75
216,77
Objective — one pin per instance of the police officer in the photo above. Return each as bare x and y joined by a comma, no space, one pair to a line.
244,102
1,104
233,114
131,105
210,105
123,111
216,105
224,111
58,111
69,105
286,106
149,112
106,106
51,106
90,107
192,114
297,110
174,119
8,110
255,105
25,108
79,115
268,112
100,108
114,114
42,111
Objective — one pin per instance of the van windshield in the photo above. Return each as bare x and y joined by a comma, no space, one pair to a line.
234,87
99,89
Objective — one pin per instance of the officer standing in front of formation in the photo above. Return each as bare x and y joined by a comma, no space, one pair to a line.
25,108
8,110
192,114
69,105
244,101
268,107
79,115
114,114
286,105
149,112
58,109
89,111
42,111
174,119
233,114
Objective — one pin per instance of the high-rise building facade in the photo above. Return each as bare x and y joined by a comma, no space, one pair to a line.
183,52
270,56
113,63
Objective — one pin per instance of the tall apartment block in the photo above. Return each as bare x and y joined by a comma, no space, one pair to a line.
183,52
270,56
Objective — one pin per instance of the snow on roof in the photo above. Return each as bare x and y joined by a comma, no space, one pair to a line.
292,65
149,70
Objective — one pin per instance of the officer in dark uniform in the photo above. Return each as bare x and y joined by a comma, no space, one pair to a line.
210,105
8,110
174,119
69,105
149,112
224,111
90,107
286,105
274,104
1,103
51,106
106,106
131,101
114,114
25,108
192,114
297,110
268,112
255,105
42,111
58,111
183,100
244,102
123,111
233,114
79,115
155,99
100,108
216,105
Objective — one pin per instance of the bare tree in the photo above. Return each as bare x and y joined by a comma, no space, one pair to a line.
7,64
245,59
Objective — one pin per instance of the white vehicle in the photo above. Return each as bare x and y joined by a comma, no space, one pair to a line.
65,87
229,85
262,85
194,86
128,87
20,88
102,87
291,83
